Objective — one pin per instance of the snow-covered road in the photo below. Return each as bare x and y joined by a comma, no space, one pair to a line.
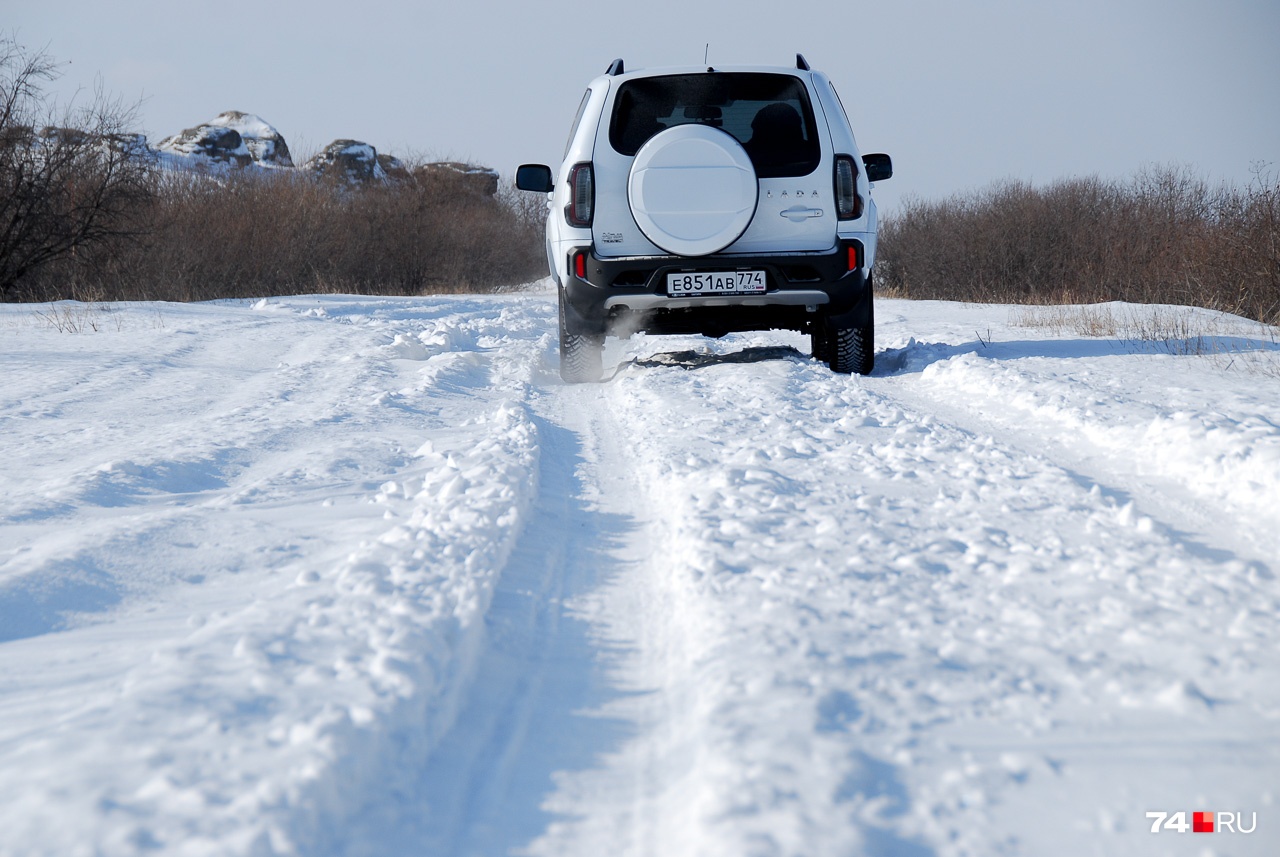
359,576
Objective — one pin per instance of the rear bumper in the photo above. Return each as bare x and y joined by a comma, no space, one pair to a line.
606,295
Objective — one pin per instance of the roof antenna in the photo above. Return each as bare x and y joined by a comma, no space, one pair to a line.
705,53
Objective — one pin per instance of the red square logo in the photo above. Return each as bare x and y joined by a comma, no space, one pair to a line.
1202,822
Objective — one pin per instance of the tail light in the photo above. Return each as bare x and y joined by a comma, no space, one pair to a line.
848,202
854,257
582,195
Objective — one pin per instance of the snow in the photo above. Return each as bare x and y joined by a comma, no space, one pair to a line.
250,126
360,576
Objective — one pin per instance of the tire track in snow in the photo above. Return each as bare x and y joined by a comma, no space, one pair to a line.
1211,489
282,701
1191,663
582,671
832,617
525,716
897,628
633,798
712,768
536,695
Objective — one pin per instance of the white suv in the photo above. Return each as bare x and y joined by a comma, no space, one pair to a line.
712,200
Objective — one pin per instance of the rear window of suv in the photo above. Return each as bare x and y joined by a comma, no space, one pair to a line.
769,114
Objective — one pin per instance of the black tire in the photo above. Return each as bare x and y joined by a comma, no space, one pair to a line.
581,356
853,349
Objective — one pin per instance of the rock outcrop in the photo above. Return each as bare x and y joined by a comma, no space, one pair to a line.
351,160
394,168
265,144
233,138
210,144
70,140
238,139
467,177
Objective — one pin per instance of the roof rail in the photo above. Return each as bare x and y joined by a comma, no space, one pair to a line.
801,62
615,67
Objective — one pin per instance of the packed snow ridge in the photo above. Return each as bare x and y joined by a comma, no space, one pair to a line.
360,576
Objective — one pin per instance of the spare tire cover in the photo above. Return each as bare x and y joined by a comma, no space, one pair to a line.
692,190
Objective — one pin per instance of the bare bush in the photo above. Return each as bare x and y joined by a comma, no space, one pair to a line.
255,233
69,182
86,213
1164,236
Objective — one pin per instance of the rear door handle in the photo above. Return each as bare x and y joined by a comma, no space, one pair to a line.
797,213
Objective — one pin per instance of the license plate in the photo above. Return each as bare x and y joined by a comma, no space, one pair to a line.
715,283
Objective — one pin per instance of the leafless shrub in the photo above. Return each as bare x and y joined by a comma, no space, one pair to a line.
255,233
75,317
70,182
1094,320
1164,236
86,214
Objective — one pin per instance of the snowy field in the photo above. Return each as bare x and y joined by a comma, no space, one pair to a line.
359,576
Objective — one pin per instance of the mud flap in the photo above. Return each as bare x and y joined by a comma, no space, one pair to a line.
859,315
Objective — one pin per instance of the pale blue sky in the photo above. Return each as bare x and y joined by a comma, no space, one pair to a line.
961,94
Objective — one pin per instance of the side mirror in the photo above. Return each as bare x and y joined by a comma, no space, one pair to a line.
534,177
879,167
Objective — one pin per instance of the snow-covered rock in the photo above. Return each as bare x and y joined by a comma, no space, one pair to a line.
358,162
266,145
51,136
353,160
209,143
237,139
470,177
395,169
234,138
132,144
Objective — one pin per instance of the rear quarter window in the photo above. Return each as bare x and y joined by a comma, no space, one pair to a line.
577,120
769,114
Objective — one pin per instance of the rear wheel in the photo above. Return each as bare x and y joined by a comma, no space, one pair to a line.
581,357
852,349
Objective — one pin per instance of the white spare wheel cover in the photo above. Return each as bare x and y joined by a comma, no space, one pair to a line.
692,190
